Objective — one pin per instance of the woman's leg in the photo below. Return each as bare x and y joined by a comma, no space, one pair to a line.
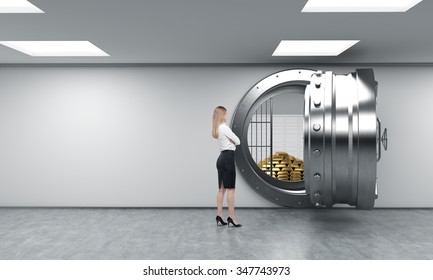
220,198
231,203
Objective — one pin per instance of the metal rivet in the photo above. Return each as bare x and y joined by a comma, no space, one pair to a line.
277,76
316,153
317,103
317,204
242,170
257,87
316,177
316,127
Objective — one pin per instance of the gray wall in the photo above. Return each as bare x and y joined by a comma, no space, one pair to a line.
140,136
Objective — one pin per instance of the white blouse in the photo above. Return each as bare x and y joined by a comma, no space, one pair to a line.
225,135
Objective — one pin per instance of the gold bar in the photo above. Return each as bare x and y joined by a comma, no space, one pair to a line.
284,166
275,158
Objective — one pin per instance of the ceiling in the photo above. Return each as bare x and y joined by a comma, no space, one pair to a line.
222,31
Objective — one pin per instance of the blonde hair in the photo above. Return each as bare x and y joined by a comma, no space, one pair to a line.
218,118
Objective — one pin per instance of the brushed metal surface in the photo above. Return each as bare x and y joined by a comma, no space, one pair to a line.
348,139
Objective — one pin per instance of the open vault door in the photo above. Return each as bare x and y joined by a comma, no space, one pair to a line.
311,138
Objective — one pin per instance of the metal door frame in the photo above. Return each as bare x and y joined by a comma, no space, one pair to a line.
270,86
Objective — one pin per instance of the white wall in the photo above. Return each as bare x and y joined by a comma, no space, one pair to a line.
140,136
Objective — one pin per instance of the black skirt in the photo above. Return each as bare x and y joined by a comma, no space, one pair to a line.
226,169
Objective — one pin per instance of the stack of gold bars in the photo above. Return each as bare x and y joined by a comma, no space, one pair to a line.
284,167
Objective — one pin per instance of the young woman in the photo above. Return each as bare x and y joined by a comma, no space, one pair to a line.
225,164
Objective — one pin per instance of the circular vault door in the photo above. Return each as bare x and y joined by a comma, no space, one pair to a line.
310,138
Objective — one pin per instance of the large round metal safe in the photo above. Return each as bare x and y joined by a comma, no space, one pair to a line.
311,138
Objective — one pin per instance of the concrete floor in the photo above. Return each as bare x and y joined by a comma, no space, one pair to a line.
193,234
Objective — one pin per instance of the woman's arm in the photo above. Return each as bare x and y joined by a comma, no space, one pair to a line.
229,133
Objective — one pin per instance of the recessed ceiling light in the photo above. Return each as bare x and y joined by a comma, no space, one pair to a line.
55,48
313,47
18,6
358,6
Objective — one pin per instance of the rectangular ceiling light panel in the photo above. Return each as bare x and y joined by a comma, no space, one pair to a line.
358,6
313,47
18,7
55,48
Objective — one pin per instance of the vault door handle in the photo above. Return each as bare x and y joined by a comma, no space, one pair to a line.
381,138
384,139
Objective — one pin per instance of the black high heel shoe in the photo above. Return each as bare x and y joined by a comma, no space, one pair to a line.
230,221
220,220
